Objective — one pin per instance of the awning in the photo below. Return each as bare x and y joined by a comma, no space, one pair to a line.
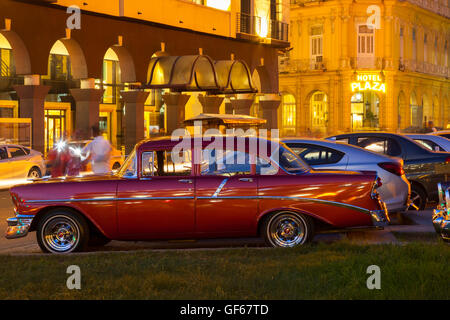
225,119
199,73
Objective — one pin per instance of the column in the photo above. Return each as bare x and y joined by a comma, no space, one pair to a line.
31,105
388,34
344,44
269,104
87,108
210,104
133,117
175,112
242,103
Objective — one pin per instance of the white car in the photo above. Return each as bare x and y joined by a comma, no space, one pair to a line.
432,142
18,163
323,154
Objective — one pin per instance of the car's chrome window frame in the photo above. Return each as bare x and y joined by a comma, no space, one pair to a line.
131,157
143,175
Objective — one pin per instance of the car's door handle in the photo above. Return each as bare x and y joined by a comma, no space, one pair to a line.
185,180
246,179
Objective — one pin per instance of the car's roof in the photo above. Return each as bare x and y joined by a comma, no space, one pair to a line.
168,142
343,147
368,133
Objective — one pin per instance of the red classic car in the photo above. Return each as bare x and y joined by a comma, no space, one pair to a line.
245,187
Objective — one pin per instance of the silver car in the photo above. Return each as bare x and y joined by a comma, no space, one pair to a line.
322,154
18,163
432,142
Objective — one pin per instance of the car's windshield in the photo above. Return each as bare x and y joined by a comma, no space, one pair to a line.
289,161
129,167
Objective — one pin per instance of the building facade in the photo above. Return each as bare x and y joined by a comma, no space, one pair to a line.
365,65
62,72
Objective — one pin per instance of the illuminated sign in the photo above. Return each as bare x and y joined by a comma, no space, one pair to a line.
368,82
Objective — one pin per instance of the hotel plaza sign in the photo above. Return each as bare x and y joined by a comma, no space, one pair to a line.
368,82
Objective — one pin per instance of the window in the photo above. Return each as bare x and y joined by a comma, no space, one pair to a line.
385,146
166,163
289,161
16,152
425,48
129,168
317,155
429,144
231,163
289,113
3,154
414,49
365,41
401,44
316,43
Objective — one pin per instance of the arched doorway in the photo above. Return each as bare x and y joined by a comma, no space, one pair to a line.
403,119
427,109
319,112
365,107
288,114
416,111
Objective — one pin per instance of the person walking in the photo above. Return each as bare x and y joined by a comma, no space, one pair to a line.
99,152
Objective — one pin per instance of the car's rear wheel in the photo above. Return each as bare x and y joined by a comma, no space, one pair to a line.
418,198
34,173
116,166
288,229
62,231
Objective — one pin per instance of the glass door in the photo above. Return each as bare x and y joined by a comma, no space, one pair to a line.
55,121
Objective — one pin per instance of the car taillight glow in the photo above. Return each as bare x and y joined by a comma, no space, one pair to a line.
392,167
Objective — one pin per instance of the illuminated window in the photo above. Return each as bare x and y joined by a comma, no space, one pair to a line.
316,43
289,111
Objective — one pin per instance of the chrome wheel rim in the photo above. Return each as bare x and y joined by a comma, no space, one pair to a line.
416,201
287,230
60,234
34,174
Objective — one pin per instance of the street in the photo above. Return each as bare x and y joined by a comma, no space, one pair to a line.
421,223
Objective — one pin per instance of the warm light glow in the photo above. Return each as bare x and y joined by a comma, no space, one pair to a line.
263,29
219,4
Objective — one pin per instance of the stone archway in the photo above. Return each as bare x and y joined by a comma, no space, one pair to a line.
126,63
427,109
416,111
71,48
20,53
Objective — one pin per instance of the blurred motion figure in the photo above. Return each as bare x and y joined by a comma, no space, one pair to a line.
99,152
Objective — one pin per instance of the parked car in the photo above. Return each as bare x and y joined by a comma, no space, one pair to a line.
441,215
424,168
161,193
431,142
116,156
18,163
324,154
442,133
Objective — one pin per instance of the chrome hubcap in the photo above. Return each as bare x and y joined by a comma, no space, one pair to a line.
416,201
60,234
287,230
34,174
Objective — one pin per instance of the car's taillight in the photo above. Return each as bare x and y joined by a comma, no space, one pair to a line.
392,167
447,161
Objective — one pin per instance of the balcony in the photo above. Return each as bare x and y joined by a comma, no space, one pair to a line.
424,67
257,28
301,65
366,63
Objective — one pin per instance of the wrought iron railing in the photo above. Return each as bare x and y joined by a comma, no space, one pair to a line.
256,26
301,65
424,67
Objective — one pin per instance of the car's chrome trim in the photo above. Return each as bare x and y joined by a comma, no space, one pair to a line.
108,199
220,187
18,226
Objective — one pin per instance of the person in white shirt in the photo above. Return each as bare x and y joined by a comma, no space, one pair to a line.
99,151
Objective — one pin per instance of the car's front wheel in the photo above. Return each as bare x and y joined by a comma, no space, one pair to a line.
288,229
62,231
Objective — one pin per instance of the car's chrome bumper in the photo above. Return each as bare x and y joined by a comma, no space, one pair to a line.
380,218
18,226
441,223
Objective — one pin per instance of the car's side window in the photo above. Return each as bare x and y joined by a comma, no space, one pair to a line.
148,160
429,144
317,155
381,145
167,163
226,162
16,152
3,153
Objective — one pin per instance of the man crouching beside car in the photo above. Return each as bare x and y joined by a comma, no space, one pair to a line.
441,215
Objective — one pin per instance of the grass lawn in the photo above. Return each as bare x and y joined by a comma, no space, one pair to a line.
318,271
